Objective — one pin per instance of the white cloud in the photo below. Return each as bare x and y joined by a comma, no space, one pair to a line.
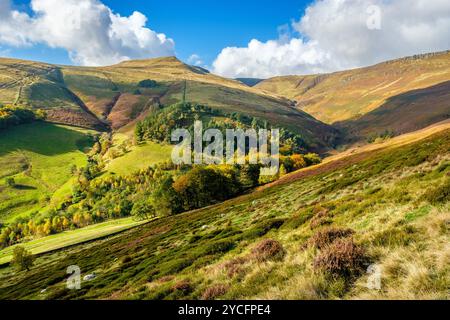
334,35
195,60
87,29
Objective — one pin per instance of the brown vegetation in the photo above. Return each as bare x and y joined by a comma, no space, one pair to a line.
268,249
341,258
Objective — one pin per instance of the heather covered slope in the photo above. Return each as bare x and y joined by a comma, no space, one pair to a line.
400,95
387,206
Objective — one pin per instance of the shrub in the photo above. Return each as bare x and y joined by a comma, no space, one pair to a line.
395,237
327,236
126,259
176,265
215,291
22,258
268,249
10,182
234,266
312,159
320,218
438,195
183,286
219,247
341,258
263,228
147,83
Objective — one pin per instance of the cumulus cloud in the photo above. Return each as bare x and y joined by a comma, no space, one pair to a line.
340,34
195,60
87,29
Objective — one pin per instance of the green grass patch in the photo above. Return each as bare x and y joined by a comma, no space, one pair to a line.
140,157
72,237
39,157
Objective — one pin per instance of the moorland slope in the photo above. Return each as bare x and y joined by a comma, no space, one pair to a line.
398,96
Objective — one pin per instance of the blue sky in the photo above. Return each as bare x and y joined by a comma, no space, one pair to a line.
202,27
232,38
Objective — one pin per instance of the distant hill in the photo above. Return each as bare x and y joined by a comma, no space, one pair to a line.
251,82
400,95
113,96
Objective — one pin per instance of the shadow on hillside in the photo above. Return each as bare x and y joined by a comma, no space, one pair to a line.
24,187
42,138
407,112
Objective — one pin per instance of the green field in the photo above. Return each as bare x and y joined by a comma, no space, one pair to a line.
395,200
140,157
72,237
39,157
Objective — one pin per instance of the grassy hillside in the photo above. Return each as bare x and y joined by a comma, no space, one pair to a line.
40,85
72,237
114,96
251,82
140,157
276,243
403,113
172,76
400,95
39,157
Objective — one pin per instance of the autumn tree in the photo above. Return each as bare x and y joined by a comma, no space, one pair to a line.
22,258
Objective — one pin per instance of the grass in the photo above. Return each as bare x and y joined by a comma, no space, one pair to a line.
39,157
72,237
140,157
210,253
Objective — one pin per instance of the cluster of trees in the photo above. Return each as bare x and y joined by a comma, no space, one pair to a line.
379,137
147,83
159,125
15,115
30,229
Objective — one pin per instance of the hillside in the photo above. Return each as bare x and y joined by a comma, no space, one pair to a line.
251,82
40,170
399,96
387,206
115,97
42,86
